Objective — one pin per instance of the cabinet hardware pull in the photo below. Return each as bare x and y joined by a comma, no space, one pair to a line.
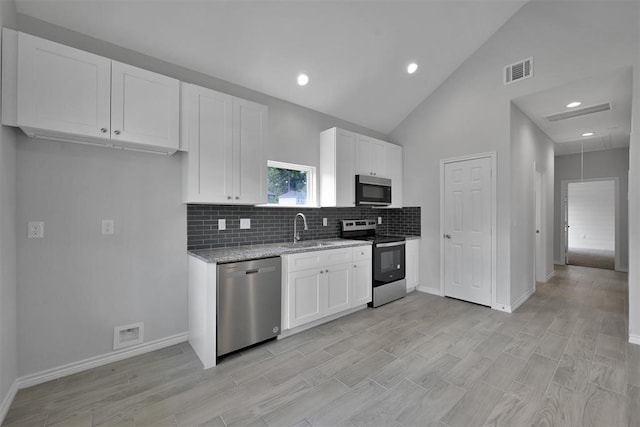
103,130
237,197
117,132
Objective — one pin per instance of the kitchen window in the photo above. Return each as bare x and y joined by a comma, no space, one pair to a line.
291,184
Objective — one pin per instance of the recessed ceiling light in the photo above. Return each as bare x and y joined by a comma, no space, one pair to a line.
303,79
588,134
411,68
574,104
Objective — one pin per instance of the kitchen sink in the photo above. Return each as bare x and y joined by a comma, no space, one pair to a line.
306,244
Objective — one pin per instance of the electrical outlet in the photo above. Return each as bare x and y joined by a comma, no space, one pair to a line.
324,222
36,230
222,224
245,223
107,226
379,220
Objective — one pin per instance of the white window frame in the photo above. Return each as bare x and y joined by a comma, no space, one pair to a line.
311,183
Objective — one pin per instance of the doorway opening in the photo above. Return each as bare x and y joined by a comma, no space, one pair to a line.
591,223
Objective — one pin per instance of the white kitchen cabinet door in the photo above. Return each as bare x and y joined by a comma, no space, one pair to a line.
207,129
379,158
362,284
62,90
144,107
338,288
364,156
394,159
337,168
371,156
249,139
412,272
306,295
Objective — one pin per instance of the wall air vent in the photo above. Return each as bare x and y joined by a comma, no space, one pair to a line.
519,71
581,112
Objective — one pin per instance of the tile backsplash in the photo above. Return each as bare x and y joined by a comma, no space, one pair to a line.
271,225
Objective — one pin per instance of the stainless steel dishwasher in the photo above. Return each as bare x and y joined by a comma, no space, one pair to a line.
248,302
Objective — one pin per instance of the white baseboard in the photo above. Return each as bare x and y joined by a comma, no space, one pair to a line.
522,299
432,291
550,275
502,307
93,362
558,262
634,339
8,400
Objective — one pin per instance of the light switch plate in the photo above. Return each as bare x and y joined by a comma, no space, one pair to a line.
324,222
245,223
222,224
379,220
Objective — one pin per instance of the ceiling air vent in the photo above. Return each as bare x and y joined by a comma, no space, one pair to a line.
519,71
581,112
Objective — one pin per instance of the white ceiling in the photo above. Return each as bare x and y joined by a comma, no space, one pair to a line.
612,128
355,52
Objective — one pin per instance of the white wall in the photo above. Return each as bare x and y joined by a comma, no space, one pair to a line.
470,112
597,164
591,215
531,151
74,286
8,279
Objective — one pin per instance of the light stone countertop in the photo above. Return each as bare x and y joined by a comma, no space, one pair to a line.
245,253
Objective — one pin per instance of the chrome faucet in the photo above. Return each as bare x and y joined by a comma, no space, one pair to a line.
296,234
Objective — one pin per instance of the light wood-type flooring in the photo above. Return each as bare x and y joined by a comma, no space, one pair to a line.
562,359
594,258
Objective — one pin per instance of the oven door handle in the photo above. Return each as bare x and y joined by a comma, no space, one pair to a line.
388,245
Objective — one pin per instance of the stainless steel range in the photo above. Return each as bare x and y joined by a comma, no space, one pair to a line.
388,263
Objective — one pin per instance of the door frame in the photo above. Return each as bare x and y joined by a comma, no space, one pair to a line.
564,193
493,156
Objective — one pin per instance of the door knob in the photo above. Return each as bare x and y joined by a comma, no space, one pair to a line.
447,236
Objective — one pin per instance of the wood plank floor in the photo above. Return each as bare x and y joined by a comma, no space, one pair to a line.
560,360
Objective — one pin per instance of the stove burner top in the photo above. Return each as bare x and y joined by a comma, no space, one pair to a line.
365,229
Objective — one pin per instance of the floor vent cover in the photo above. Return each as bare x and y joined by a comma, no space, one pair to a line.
521,70
581,112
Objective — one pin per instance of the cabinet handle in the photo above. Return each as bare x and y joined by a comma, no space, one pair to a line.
117,132
355,266
237,197
321,271
103,130
327,270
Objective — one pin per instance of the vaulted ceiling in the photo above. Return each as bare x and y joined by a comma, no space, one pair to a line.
355,52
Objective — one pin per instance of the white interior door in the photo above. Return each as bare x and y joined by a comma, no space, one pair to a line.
540,255
467,219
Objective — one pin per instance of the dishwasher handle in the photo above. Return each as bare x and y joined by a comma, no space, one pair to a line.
243,272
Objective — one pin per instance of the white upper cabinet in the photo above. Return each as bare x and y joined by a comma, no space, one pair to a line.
394,170
145,107
61,89
371,157
337,168
249,136
225,139
345,154
64,93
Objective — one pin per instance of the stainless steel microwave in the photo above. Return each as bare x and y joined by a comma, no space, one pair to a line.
373,191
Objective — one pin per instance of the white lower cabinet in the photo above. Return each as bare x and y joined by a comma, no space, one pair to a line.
322,283
361,287
412,263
